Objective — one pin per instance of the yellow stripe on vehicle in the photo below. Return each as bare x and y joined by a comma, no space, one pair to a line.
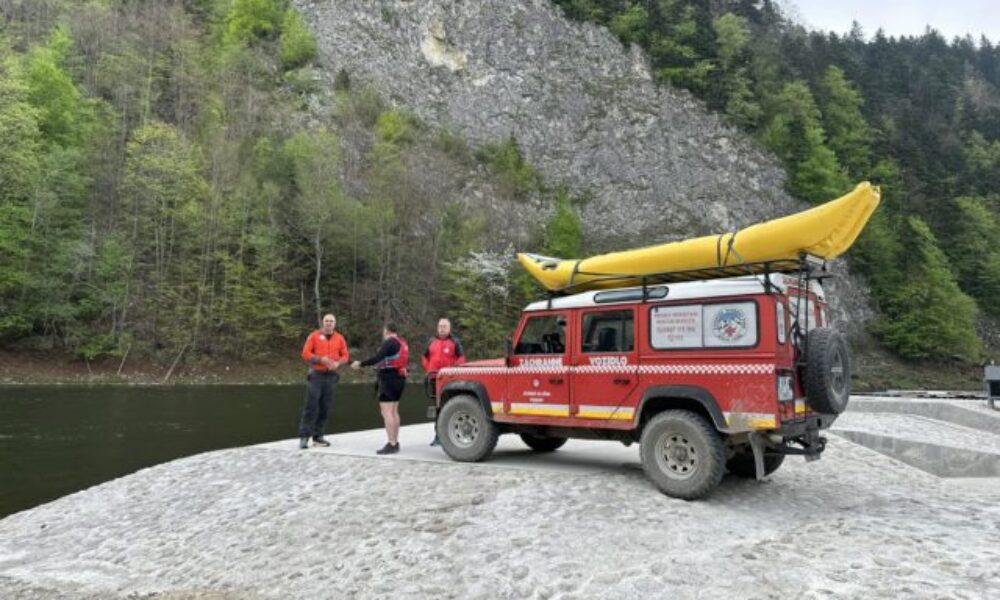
605,412
744,420
545,410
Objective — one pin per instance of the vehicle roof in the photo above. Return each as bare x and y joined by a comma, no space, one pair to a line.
688,290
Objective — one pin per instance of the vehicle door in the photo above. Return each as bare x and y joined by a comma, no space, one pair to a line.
605,367
538,380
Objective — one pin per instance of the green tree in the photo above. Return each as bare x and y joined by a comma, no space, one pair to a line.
927,314
249,20
321,205
564,230
795,134
848,132
517,178
164,195
20,170
298,46
480,295
971,239
735,90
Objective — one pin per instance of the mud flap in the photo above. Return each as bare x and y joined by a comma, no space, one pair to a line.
757,445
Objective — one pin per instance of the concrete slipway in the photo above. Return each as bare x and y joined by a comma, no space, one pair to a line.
918,516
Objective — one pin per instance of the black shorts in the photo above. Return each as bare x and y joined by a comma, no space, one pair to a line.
390,386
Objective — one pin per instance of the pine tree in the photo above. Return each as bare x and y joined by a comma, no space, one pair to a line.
927,314
971,238
846,128
795,134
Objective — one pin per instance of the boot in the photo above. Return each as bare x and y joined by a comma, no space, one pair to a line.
319,441
303,443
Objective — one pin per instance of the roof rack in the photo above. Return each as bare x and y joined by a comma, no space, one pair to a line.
813,267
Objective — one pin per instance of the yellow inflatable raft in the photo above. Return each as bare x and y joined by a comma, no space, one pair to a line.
826,231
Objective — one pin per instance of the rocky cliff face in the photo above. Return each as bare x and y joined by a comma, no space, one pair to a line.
584,110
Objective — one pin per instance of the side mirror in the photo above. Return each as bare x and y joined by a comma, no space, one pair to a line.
508,351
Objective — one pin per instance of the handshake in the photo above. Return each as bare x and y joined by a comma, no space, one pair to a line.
333,365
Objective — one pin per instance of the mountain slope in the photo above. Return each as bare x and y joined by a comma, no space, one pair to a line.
656,163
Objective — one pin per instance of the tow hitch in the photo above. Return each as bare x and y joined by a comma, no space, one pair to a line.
810,445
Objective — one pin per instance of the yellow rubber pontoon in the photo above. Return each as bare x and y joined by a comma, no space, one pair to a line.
826,231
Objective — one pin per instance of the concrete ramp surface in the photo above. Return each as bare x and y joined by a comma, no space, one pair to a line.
946,438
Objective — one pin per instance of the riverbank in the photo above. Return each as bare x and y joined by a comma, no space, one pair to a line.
873,371
39,369
277,522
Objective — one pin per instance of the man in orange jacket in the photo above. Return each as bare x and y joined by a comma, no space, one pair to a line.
325,350
443,350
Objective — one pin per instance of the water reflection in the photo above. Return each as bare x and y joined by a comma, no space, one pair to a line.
55,440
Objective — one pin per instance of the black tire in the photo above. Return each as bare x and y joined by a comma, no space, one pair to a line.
828,371
742,465
466,432
543,443
683,454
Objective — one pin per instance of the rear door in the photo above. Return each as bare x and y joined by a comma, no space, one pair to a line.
604,363
538,380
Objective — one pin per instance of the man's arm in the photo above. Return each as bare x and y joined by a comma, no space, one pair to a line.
389,347
308,353
425,358
343,356
459,352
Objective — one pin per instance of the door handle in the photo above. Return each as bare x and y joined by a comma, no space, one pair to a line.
556,380
623,381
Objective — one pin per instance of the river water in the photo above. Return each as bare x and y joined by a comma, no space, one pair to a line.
56,440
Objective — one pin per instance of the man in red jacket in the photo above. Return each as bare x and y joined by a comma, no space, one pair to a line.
325,350
443,350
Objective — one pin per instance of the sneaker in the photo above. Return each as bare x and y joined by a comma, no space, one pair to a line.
436,441
319,441
303,443
388,449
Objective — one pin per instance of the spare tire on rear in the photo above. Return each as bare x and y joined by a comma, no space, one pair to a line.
828,371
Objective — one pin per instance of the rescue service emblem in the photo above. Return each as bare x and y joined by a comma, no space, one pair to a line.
730,325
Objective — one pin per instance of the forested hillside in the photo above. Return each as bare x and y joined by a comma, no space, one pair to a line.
169,188
921,115
177,179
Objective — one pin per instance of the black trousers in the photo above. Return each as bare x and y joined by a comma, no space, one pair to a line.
320,394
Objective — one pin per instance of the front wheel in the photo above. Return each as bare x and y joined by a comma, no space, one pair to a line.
542,443
683,454
467,433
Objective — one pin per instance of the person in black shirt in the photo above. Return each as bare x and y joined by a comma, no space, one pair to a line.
390,363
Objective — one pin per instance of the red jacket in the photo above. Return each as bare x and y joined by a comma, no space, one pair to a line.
317,345
441,353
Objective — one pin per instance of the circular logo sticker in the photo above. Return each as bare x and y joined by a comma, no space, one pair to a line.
730,325
535,383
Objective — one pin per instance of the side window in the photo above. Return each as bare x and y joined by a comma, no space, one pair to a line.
608,331
545,334
794,301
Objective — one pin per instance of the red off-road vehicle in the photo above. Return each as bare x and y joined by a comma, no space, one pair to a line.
708,376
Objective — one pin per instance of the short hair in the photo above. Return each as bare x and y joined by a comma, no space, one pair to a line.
328,315
391,328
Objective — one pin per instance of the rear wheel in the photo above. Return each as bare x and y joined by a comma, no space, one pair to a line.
542,443
467,433
742,464
683,454
828,371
